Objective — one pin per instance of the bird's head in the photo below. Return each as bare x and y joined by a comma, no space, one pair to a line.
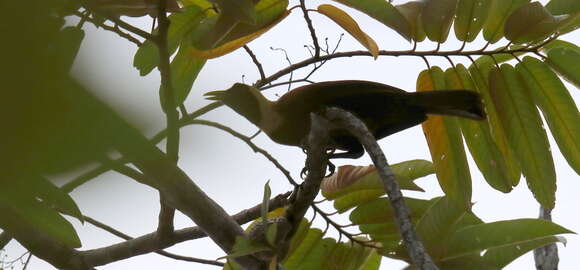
244,99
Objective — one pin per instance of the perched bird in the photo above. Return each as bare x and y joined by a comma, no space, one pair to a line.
384,109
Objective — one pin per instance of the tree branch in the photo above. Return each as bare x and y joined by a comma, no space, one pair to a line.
150,242
166,213
121,235
256,62
311,29
546,257
316,163
416,250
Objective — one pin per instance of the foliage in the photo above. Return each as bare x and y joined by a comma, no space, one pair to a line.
56,125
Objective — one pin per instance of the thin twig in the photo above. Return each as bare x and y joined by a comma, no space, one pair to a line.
256,62
121,235
415,247
115,30
311,29
249,142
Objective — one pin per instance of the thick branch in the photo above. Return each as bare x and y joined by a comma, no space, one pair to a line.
42,245
166,213
316,163
546,257
416,250
150,242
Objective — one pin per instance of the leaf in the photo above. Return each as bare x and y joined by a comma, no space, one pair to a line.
41,188
478,137
68,43
445,144
557,43
245,246
349,24
480,76
559,7
437,223
567,63
411,11
523,127
531,22
498,14
147,56
269,13
356,178
471,15
502,256
437,17
557,106
380,210
22,213
240,10
498,234
132,8
266,200
383,12
185,67
309,242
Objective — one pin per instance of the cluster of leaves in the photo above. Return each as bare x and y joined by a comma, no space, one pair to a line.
454,236
46,111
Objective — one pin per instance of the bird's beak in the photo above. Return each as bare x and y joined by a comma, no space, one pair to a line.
215,95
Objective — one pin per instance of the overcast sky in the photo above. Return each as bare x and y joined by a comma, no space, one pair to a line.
233,175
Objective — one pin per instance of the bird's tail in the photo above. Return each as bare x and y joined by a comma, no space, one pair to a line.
461,103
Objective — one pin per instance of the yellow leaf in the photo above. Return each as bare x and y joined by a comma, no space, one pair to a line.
235,44
349,24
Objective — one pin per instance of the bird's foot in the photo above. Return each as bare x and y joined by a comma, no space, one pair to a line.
331,170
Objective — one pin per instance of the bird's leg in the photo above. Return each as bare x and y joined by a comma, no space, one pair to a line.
331,167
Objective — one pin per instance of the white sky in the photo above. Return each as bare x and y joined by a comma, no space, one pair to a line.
234,176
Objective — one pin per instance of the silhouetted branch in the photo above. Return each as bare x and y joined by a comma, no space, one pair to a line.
416,250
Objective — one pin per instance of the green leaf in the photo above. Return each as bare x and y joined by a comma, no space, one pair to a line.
208,44
381,211
412,11
498,14
39,187
446,145
557,106
303,249
523,127
557,43
471,15
318,255
566,62
480,76
531,22
22,213
266,200
383,12
354,198
502,256
478,137
147,56
185,67
437,17
473,239
68,43
437,223
559,7
245,246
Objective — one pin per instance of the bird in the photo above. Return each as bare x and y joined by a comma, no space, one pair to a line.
384,109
